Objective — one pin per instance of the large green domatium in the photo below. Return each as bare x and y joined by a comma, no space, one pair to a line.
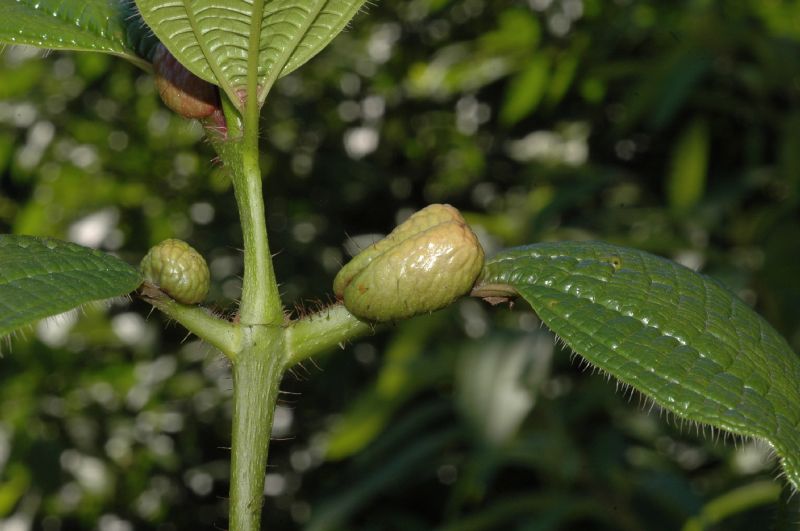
425,264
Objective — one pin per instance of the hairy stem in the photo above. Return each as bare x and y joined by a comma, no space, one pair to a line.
220,333
256,376
260,304
259,364
322,331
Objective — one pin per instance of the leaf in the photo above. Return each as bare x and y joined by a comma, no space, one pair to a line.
404,465
677,336
405,371
221,40
789,155
565,68
40,277
687,177
525,90
662,89
681,77
518,31
548,509
497,382
734,502
110,26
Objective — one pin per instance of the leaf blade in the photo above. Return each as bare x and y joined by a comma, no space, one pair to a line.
80,25
677,336
41,277
332,18
213,38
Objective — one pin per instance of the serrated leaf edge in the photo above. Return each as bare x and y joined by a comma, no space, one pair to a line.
789,462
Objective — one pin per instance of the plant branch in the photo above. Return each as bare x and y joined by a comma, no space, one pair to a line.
322,331
215,331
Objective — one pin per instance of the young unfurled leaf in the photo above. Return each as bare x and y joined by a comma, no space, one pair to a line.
40,277
679,337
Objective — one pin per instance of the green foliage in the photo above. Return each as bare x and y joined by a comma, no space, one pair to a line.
405,371
43,277
526,90
83,137
687,176
733,502
215,40
82,25
679,337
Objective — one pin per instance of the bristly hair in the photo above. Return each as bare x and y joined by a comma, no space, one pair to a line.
136,17
310,308
58,319
19,334
683,424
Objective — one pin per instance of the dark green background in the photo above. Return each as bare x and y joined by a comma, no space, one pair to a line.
672,127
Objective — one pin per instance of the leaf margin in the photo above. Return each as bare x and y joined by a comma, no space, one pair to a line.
498,283
20,253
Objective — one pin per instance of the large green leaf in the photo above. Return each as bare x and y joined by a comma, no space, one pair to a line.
679,337
40,277
110,26
222,40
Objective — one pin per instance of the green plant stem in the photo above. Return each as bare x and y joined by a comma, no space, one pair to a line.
321,331
260,304
220,333
260,346
259,363
261,354
256,376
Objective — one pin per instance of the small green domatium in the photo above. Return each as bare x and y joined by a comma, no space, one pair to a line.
178,270
425,264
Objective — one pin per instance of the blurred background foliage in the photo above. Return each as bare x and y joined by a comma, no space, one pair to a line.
672,127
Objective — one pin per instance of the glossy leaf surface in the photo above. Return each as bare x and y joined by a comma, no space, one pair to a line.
41,277
217,39
110,26
679,337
